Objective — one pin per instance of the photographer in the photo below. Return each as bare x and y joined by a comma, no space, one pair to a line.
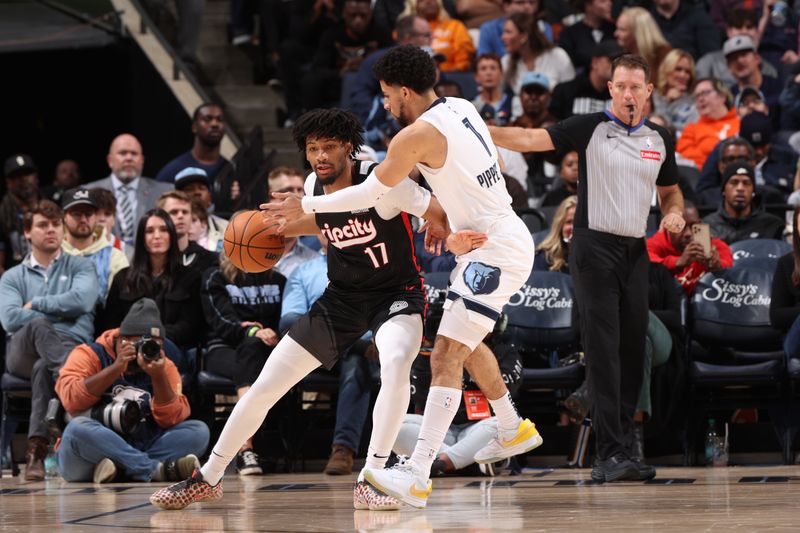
127,366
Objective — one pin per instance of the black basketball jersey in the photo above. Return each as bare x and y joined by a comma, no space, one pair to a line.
366,252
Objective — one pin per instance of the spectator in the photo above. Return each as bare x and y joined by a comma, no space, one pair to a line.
718,120
671,97
208,128
775,164
474,13
450,36
790,102
341,50
553,252
84,237
47,307
744,64
303,288
243,312
295,251
157,272
638,33
473,425
568,183
22,195
683,256
164,445
739,218
715,65
194,183
198,231
528,50
67,176
588,92
447,88
135,194
107,217
784,307
581,39
720,11
726,152
532,108
778,43
178,205
491,32
686,26
493,101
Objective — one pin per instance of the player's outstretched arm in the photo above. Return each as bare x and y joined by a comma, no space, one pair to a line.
522,139
304,225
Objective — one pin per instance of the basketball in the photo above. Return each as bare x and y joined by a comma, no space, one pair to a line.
251,243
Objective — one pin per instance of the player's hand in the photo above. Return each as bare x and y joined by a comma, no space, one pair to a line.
286,206
435,235
465,241
268,336
673,223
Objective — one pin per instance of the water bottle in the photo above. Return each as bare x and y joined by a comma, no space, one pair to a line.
711,441
51,464
779,13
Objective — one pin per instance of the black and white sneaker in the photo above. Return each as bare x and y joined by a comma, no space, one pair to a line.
247,463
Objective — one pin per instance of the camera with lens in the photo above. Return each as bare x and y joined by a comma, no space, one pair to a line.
121,416
148,348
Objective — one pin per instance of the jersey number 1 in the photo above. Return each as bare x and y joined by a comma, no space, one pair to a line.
376,261
471,128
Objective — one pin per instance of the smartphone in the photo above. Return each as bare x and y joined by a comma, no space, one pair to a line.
702,234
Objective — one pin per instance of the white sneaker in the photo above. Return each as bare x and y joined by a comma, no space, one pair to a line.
526,439
104,471
401,481
368,498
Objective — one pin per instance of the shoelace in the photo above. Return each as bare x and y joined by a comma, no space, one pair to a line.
249,456
187,483
403,464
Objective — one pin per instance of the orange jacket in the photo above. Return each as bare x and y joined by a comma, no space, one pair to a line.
452,40
699,138
83,362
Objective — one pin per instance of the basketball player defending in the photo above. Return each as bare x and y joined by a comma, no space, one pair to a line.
374,285
448,142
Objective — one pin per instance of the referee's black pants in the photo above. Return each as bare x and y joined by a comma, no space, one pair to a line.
610,274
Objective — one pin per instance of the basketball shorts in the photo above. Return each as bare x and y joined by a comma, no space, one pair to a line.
485,279
339,318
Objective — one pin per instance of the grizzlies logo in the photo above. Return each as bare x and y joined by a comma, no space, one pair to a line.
481,279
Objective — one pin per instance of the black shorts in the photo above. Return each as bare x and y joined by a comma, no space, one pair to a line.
337,319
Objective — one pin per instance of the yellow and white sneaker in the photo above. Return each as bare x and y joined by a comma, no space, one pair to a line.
368,498
402,481
526,439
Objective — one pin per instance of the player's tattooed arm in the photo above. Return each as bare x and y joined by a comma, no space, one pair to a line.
522,139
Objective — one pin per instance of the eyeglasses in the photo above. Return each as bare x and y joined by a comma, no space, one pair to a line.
703,94
732,158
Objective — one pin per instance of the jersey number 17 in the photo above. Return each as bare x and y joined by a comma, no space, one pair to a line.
379,259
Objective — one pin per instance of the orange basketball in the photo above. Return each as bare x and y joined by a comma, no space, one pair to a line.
251,243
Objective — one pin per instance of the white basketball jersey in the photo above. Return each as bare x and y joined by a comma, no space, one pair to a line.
469,185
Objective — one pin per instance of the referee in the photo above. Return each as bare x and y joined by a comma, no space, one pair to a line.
622,157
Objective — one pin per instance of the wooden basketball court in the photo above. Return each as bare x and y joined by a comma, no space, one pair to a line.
679,499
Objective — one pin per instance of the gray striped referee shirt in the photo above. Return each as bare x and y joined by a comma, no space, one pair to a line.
618,169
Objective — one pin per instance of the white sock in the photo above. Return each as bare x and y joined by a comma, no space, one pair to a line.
440,409
508,418
398,341
286,366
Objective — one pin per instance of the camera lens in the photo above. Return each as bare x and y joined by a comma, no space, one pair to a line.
151,350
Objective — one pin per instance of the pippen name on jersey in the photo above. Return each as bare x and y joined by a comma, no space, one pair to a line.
489,177
355,232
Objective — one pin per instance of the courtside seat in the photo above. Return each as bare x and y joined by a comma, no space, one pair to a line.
214,384
741,364
13,387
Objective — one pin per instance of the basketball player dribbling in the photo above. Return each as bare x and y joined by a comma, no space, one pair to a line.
448,142
374,284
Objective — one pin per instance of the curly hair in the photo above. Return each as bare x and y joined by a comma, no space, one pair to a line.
331,123
406,66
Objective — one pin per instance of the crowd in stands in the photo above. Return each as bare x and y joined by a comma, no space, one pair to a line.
93,268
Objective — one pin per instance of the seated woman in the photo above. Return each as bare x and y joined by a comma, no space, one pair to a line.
553,253
242,311
157,272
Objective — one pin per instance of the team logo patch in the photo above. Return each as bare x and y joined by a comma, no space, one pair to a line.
650,154
399,305
481,278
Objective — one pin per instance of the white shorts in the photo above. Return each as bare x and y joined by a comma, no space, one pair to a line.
484,280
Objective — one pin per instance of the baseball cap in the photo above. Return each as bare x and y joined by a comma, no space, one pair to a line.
738,168
756,128
190,175
535,78
609,49
438,57
17,163
739,43
77,196
744,93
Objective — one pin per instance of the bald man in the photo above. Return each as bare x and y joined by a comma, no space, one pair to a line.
135,194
